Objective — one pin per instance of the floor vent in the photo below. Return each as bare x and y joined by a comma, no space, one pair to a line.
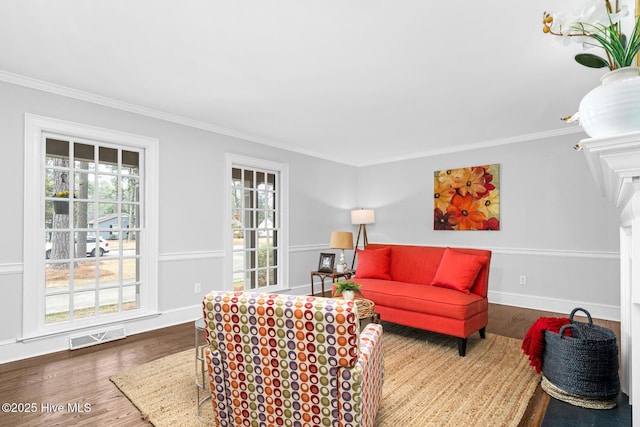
96,337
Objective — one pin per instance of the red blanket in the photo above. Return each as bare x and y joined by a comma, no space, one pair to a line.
533,343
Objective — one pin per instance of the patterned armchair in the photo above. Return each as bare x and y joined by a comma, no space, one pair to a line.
291,360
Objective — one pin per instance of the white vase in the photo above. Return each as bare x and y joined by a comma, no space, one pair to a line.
613,108
348,295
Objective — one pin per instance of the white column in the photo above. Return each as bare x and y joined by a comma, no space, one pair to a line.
615,166
625,309
630,260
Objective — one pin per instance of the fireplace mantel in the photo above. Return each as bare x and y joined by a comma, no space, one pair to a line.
615,165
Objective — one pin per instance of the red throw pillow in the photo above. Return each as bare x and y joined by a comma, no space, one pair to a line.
373,264
458,270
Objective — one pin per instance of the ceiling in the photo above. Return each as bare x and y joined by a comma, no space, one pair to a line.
357,81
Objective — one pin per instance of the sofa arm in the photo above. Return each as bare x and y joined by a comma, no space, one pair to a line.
360,387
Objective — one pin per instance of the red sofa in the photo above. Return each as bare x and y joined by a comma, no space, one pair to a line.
437,289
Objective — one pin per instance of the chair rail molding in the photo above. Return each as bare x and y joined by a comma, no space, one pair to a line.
615,165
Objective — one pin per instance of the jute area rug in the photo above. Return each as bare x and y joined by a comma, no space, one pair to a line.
426,383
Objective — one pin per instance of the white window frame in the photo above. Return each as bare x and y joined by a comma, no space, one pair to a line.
33,310
282,210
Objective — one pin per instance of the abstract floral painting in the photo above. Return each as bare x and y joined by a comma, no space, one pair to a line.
467,198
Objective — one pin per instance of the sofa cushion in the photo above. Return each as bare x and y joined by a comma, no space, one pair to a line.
458,270
414,264
423,299
373,264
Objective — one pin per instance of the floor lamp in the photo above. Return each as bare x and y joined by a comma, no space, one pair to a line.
361,217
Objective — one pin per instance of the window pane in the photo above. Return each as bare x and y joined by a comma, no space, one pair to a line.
84,212
84,304
236,197
84,156
83,184
130,186
250,259
130,270
57,308
108,160
57,277
133,238
130,163
60,245
130,298
250,239
130,216
250,279
236,219
248,179
109,272
61,211
248,219
108,187
84,274
248,199
108,300
238,282
56,149
262,201
236,174
263,258
105,210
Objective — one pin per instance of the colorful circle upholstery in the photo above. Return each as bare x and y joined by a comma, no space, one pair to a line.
281,360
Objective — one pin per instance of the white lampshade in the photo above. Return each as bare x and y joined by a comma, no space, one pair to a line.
363,216
341,240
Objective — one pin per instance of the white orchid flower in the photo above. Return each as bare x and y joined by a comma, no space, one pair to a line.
594,25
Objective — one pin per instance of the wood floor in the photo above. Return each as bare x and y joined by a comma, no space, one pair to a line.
82,376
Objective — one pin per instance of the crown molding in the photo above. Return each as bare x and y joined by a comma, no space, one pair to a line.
68,92
570,130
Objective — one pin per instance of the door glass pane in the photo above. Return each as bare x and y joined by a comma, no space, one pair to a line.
254,228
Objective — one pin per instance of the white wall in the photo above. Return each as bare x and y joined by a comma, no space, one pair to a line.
556,229
191,248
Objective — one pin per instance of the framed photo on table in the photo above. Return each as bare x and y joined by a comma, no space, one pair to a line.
325,265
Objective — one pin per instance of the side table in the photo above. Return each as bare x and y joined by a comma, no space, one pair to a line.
366,310
333,276
202,384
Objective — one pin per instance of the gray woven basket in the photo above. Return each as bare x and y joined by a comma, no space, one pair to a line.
584,364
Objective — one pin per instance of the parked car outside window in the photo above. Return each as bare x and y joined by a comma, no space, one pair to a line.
91,247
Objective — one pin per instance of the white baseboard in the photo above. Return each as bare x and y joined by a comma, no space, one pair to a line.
12,350
598,311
